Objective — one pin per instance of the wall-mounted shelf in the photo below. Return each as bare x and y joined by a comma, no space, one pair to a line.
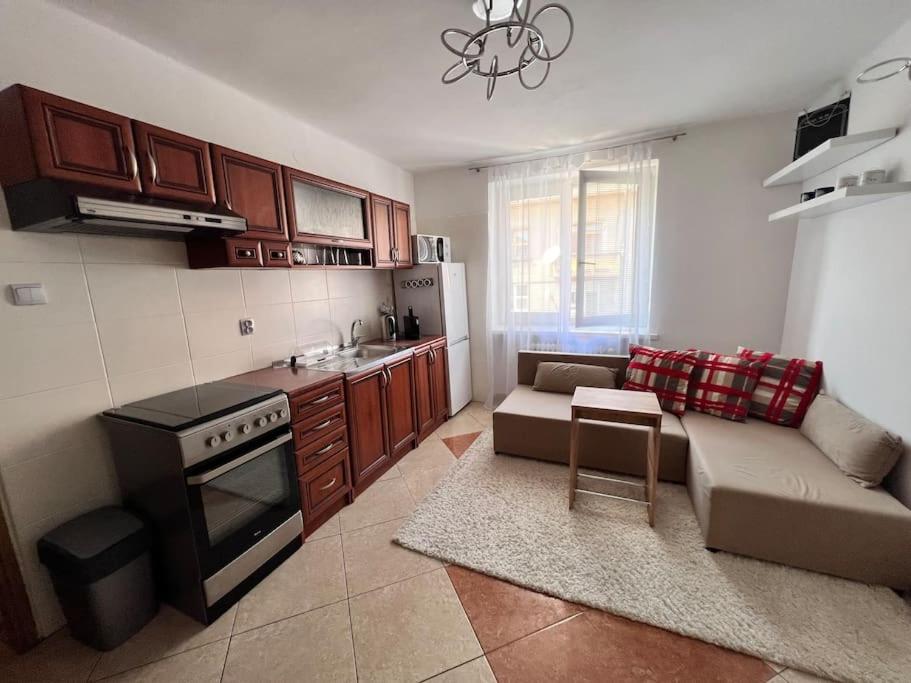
829,155
839,200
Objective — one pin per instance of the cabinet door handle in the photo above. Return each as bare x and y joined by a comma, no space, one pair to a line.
329,485
134,164
325,449
323,425
153,167
433,357
383,380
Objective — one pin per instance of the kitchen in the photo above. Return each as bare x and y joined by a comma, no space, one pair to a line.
267,280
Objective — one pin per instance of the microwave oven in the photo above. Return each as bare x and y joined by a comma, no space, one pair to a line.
432,249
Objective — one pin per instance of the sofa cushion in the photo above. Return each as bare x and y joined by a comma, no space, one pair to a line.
785,389
563,378
722,385
767,492
664,373
860,448
536,424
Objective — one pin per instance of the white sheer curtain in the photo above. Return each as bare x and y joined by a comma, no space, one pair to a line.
556,286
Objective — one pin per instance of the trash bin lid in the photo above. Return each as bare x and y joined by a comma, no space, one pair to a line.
94,545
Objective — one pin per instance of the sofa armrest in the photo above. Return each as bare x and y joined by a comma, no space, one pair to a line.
528,362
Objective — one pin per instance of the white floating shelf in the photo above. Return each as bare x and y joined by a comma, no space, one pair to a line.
829,155
839,200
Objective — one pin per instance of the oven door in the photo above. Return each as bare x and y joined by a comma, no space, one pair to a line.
240,497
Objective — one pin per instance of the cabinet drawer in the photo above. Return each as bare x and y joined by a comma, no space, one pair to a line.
276,254
324,485
312,402
318,425
321,449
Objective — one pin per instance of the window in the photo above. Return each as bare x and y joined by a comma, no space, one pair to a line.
599,284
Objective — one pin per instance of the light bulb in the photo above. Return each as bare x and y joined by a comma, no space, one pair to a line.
499,9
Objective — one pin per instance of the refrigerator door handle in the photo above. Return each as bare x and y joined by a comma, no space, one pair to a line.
455,341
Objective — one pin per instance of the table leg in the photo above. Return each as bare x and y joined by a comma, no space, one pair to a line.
573,460
651,483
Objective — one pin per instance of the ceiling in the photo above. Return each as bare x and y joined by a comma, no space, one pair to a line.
370,71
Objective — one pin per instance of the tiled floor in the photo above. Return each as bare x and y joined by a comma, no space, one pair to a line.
353,606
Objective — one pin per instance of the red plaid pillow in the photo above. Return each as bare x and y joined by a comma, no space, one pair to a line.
785,389
722,385
664,373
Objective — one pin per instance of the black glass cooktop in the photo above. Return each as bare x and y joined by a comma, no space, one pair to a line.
189,407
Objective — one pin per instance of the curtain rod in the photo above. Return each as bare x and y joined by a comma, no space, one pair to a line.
669,136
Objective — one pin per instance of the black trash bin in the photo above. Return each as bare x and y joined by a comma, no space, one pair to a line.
101,569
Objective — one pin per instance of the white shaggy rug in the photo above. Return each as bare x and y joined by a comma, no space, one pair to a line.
508,517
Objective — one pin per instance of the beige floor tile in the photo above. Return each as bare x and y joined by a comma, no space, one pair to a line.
202,665
794,676
169,633
330,528
383,501
463,423
372,560
411,630
312,577
422,482
430,454
392,473
315,646
480,413
475,671
58,658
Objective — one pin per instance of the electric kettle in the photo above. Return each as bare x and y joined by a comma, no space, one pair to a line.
390,327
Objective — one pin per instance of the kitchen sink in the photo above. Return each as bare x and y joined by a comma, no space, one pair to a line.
365,352
354,359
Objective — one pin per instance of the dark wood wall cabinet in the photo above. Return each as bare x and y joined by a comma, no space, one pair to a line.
44,136
391,233
174,166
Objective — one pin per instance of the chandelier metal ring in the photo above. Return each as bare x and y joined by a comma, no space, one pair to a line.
518,26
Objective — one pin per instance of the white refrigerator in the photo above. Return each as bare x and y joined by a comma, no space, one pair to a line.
438,295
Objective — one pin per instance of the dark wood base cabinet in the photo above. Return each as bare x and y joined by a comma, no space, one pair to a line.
431,394
382,419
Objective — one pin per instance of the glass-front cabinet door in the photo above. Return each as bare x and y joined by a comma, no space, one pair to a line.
322,211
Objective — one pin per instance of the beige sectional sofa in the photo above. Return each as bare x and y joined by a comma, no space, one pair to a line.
757,489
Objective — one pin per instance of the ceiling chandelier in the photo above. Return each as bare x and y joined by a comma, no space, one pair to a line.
504,19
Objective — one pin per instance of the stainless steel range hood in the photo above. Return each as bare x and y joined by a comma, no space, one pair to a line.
49,206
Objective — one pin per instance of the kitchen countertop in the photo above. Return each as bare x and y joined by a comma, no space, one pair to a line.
295,380
290,380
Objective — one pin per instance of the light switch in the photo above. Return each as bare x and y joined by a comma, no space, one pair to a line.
29,294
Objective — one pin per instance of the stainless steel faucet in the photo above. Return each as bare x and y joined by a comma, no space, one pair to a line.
355,339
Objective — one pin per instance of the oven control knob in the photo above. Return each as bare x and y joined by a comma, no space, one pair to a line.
213,441
273,417
283,413
245,429
261,422
227,436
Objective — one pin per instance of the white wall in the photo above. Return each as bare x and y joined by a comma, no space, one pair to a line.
848,303
127,319
721,270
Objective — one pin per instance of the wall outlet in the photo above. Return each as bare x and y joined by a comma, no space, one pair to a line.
247,325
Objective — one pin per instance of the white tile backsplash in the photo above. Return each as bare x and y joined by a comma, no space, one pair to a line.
152,342
309,285
47,421
208,290
64,284
103,249
131,291
266,286
38,358
126,320
138,385
218,367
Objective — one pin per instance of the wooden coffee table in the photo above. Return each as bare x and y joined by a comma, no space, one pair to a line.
627,407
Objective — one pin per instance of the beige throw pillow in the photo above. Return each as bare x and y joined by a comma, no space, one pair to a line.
863,450
563,378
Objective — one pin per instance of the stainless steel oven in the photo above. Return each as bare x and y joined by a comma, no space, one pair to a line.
237,500
212,469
